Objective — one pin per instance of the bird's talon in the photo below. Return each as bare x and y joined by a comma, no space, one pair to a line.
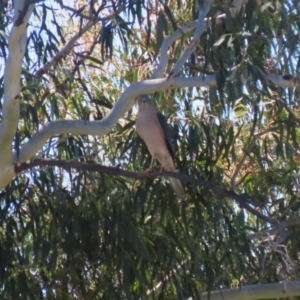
148,172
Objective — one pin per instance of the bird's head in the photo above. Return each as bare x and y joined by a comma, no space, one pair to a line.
144,101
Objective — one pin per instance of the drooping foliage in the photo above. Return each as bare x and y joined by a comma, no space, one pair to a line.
85,235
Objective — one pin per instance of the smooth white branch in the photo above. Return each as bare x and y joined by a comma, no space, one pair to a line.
101,127
202,24
257,291
17,42
284,81
125,103
164,56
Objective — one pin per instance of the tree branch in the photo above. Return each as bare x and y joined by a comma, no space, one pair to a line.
68,47
99,128
284,289
246,154
164,56
191,47
268,232
282,80
276,99
17,42
242,201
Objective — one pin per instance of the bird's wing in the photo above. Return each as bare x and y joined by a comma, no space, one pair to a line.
162,123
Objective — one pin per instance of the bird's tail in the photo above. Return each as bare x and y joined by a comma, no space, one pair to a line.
177,187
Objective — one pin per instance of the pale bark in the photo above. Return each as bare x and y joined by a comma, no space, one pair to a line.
99,128
12,84
257,291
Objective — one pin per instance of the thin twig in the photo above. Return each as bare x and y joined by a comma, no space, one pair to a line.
246,154
67,48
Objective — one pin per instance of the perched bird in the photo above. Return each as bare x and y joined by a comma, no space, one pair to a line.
152,128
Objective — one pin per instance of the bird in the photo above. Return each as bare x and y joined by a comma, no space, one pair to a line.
152,128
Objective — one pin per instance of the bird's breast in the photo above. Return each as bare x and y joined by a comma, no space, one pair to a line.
150,131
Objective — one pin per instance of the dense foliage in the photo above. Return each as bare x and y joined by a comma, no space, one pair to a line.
89,235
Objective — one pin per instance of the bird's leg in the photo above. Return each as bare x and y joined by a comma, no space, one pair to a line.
161,167
151,163
150,168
